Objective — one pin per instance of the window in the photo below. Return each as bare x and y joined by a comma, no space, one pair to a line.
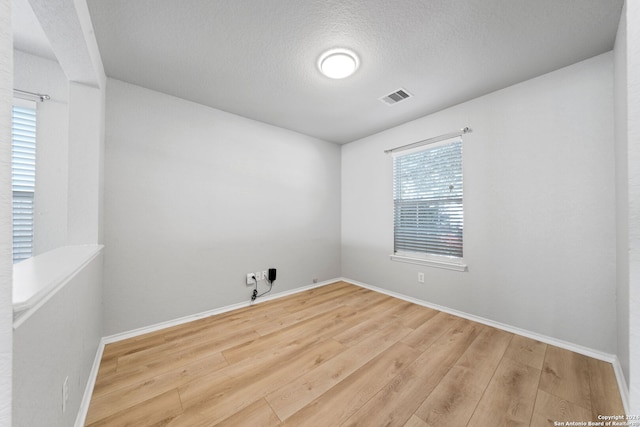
428,203
23,178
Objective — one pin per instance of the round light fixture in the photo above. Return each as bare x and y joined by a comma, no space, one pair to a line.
338,63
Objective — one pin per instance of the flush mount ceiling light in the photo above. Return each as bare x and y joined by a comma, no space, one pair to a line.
338,63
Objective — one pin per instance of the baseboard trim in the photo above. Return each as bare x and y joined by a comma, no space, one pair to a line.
169,323
93,375
88,390
596,354
190,318
622,384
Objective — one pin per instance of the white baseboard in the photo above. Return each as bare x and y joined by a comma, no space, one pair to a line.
169,323
88,390
93,375
190,318
622,385
513,329
596,354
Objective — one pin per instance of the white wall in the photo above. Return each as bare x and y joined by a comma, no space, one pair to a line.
39,75
58,340
6,246
86,163
195,198
539,207
633,146
62,337
622,196
627,113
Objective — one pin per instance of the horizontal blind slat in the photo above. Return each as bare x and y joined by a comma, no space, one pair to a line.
428,203
23,180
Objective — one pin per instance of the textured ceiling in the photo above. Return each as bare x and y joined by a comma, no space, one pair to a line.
258,59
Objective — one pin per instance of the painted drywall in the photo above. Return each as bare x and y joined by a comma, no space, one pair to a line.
622,197
59,340
68,28
627,110
39,75
86,163
62,336
195,198
6,246
633,146
539,196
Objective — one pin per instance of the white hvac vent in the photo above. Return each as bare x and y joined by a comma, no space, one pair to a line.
395,97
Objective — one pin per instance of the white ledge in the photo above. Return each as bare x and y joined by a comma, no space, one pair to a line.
444,263
37,279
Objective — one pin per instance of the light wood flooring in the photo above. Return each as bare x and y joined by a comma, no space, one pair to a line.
341,355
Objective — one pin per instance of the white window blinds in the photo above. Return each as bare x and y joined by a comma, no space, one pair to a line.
23,179
427,192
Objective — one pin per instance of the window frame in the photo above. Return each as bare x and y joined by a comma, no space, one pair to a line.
424,258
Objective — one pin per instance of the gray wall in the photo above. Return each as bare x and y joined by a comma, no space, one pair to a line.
633,84
627,82
539,207
622,197
6,245
195,198
60,339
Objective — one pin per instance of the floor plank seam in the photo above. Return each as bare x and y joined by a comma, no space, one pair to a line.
177,389
272,408
486,387
535,401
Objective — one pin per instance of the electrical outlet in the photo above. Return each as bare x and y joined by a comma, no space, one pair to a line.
65,394
264,274
250,280
420,277
259,275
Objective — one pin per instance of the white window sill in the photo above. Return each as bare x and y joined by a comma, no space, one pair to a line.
37,279
431,262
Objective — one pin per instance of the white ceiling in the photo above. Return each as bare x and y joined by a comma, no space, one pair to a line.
258,59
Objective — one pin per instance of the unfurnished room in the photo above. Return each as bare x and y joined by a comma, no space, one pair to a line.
319,213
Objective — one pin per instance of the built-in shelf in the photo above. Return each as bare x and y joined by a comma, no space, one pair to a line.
37,279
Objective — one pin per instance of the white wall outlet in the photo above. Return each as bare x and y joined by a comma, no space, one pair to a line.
65,394
420,277
250,280
264,274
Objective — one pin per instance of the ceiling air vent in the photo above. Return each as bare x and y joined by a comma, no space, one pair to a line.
395,97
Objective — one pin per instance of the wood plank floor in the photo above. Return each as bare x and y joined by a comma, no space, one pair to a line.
341,355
